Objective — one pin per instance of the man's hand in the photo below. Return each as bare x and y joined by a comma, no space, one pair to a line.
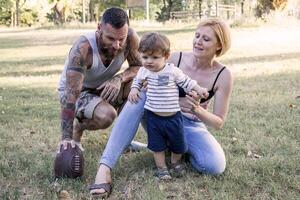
64,143
111,89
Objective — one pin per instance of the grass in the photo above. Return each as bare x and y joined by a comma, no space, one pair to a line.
264,119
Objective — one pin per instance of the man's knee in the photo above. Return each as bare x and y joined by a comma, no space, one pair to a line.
104,115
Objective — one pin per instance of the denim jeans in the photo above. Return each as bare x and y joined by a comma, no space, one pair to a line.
206,154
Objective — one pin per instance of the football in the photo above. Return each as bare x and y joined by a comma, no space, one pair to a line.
69,163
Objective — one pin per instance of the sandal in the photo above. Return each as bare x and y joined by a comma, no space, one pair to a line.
105,186
162,174
177,169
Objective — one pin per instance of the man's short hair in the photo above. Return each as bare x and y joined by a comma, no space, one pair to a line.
154,42
116,17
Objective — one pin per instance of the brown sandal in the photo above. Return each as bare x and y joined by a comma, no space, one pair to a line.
162,174
177,169
105,186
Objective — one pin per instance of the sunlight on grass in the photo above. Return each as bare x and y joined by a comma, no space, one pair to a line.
30,81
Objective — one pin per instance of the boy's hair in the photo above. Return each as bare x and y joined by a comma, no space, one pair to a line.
116,17
154,43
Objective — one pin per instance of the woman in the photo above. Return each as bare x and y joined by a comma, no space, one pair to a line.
211,40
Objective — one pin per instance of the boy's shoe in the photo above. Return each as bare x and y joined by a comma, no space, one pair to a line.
177,169
162,174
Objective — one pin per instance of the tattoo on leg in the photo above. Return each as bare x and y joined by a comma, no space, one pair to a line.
73,92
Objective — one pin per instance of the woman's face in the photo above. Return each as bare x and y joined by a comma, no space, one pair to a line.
205,42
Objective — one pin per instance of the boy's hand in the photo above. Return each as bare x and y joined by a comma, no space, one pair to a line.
134,95
202,92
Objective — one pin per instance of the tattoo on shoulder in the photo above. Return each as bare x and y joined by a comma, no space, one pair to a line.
134,58
76,69
77,55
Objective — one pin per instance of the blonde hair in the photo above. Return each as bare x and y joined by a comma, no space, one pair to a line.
222,32
154,42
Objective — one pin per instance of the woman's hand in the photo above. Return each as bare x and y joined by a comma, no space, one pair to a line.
191,103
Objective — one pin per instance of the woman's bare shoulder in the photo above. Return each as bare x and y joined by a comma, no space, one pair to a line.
226,78
227,73
174,57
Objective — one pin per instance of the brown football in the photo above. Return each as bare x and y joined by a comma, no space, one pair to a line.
69,163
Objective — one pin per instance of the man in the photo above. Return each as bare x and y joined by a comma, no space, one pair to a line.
91,86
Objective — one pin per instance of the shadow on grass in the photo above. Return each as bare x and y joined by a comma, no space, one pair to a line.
28,42
36,62
10,43
263,58
168,32
26,73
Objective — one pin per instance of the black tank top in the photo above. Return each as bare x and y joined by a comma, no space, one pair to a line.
211,92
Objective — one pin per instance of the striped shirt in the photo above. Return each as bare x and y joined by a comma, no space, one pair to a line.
162,91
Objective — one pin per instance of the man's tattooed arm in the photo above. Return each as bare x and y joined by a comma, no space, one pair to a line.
133,57
74,78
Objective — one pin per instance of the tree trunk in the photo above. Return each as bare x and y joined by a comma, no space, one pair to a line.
12,18
200,9
91,11
83,11
17,12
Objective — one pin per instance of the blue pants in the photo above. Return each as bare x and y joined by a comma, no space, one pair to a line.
206,154
165,132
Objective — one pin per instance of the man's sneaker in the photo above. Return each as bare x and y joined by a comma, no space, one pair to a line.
137,146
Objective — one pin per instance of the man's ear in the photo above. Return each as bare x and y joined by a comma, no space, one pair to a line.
98,26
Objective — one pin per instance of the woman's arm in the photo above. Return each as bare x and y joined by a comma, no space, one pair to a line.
221,103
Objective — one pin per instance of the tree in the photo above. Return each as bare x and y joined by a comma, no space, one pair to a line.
265,6
280,4
167,8
11,8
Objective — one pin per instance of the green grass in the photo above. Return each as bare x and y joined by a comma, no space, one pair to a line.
264,118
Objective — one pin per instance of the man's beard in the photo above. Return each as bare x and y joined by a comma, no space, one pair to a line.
108,52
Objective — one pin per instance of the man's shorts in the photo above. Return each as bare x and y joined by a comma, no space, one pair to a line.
165,132
88,101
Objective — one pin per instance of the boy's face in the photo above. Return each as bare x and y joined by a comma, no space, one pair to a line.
153,62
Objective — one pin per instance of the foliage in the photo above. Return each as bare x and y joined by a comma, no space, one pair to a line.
29,17
279,4
5,10
59,12
265,6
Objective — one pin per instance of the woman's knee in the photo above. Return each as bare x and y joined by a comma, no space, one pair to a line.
213,165
217,166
